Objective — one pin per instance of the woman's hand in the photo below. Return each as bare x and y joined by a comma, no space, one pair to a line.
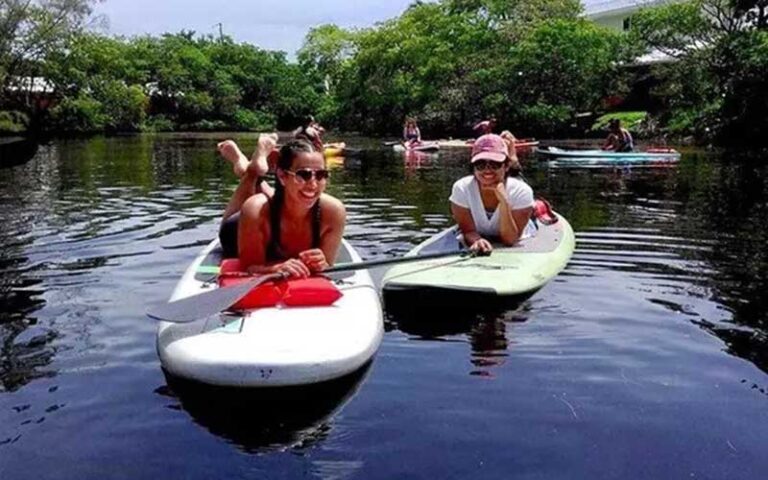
499,189
481,245
293,267
501,192
314,259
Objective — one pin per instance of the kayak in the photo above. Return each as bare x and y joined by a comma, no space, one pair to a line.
273,346
421,147
522,144
509,272
666,154
526,143
334,149
456,143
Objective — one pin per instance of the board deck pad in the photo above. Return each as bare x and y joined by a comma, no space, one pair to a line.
509,271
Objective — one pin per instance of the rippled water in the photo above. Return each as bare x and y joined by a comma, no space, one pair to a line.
645,358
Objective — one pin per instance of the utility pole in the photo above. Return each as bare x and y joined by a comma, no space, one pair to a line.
221,31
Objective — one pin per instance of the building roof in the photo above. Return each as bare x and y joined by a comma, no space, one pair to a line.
603,8
30,84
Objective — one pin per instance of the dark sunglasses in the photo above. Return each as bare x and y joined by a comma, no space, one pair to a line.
306,174
487,165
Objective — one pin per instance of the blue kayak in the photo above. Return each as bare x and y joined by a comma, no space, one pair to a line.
657,155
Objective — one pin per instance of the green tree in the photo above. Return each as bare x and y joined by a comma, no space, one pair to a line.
531,63
325,50
407,64
31,29
716,87
561,68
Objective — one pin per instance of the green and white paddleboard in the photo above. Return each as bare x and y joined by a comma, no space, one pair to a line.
514,271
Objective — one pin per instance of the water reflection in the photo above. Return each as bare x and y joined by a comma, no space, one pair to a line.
16,151
25,346
259,420
483,321
414,160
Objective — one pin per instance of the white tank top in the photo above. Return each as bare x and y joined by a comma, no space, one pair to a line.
466,193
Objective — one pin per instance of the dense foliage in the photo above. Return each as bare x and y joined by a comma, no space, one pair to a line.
716,87
534,64
31,29
175,81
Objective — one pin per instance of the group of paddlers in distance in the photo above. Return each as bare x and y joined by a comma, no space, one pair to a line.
619,139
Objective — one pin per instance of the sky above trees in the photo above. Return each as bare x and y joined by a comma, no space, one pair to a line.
270,24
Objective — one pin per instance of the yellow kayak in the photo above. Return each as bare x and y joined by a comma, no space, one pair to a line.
334,149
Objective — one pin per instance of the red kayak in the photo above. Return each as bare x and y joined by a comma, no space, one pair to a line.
418,147
521,144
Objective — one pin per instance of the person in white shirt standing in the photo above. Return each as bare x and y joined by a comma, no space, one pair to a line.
491,205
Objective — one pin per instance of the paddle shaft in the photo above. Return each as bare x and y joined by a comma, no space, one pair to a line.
208,303
392,261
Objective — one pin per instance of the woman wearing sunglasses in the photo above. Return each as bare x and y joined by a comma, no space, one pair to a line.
492,204
294,228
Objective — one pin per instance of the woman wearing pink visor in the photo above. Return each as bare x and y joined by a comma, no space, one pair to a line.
491,205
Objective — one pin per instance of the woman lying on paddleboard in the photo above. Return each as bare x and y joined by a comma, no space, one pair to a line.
493,203
294,228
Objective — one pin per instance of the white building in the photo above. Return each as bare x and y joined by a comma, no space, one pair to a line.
616,14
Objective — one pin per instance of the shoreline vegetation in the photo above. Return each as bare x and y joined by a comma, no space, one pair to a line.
538,66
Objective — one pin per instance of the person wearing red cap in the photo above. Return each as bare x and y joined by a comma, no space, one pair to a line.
490,205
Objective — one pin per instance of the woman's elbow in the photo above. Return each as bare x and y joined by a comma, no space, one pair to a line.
509,239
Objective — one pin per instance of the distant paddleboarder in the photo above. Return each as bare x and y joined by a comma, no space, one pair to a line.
486,126
619,139
411,133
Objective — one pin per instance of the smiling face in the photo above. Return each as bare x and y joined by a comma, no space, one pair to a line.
298,189
488,172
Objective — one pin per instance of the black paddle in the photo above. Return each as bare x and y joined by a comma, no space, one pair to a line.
211,302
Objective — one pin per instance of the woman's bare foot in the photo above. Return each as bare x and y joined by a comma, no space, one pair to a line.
266,144
231,153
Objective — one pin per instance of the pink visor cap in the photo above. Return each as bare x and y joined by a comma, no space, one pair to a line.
489,147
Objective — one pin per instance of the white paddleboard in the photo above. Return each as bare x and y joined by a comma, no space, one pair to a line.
271,347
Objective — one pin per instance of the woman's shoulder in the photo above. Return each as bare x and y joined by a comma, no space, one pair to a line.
517,182
332,206
463,182
255,206
256,201
520,192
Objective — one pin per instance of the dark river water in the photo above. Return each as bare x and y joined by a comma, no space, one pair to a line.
646,358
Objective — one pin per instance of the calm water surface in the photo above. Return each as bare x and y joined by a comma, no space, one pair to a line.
646,358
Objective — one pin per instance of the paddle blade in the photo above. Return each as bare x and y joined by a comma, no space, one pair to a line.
208,303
